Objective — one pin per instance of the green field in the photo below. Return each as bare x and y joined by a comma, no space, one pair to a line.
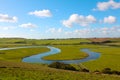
11,67
18,54
70,52
5,42
110,57
67,53
25,71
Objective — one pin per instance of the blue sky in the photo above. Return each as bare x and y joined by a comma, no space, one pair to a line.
41,19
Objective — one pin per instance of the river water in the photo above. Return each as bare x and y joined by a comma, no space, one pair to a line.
39,57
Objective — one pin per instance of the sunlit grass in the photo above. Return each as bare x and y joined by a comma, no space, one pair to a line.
70,52
25,71
110,58
19,54
67,53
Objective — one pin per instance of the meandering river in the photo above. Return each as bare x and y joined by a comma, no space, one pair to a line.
39,57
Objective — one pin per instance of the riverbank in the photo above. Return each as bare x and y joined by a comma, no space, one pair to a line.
18,53
67,53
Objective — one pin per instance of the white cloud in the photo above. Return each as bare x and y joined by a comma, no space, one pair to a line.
96,32
6,27
79,33
109,19
42,13
7,18
28,25
79,19
54,30
82,31
111,4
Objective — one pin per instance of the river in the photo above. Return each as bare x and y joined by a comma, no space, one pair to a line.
39,57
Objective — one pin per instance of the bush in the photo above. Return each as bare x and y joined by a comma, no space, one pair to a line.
60,65
3,67
20,42
84,70
96,71
116,72
107,71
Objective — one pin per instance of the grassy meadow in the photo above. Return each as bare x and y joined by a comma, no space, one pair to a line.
67,53
110,57
25,71
12,67
19,54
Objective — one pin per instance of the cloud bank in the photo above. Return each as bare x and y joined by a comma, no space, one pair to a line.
7,18
7,27
96,32
79,19
28,25
110,19
111,4
41,13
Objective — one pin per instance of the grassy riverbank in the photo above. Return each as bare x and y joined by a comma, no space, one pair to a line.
110,57
19,54
70,52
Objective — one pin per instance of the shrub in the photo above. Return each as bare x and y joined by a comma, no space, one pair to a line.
20,42
96,71
116,72
60,65
3,67
107,71
84,70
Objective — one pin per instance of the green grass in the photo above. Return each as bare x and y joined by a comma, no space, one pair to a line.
13,45
67,53
25,71
18,54
11,40
23,74
69,41
70,52
110,58
41,42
